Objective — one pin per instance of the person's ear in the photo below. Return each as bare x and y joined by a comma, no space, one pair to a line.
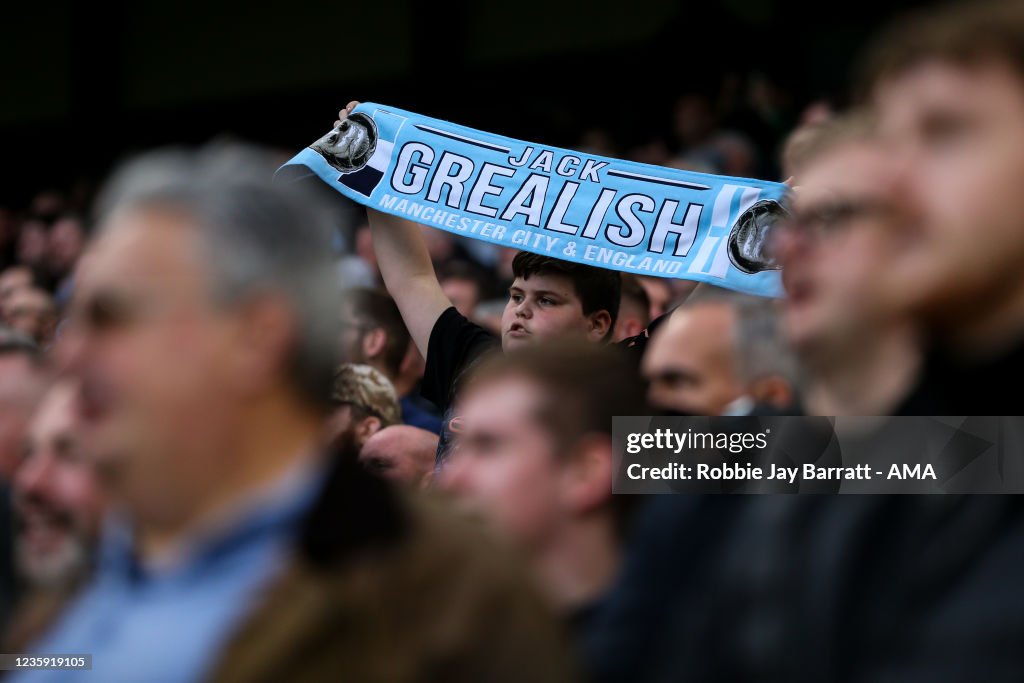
261,339
367,427
373,342
598,324
587,474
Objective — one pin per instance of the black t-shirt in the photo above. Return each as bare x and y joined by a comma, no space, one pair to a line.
455,344
949,386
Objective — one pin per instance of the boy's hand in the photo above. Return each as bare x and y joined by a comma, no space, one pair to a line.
343,114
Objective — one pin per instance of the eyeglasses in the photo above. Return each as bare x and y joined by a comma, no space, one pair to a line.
835,216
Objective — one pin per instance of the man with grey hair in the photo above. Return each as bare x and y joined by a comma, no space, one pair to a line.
202,336
720,353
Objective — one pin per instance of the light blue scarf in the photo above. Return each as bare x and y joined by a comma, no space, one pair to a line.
578,207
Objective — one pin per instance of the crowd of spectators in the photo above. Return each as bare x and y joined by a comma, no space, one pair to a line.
248,432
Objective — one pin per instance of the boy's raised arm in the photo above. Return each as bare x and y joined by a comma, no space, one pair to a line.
406,268
408,274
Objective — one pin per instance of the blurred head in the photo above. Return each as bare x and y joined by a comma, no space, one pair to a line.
834,246
65,243
402,454
461,283
205,313
57,496
13,278
715,349
552,298
364,403
948,86
634,309
32,242
533,447
32,312
22,383
659,294
372,331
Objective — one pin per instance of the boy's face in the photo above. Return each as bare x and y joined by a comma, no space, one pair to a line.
958,133
546,306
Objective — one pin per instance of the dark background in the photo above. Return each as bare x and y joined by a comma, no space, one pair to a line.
84,84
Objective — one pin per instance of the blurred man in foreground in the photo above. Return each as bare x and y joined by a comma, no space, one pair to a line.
533,456
949,92
858,357
203,333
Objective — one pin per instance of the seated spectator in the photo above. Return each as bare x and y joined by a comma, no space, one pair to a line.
858,357
12,278
948,89
533,456
461,283
720,353
634,309
32,312
372,332
236,538
59,508
22,383
402,454
364,403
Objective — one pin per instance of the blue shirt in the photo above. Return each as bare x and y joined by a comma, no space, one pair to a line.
168,625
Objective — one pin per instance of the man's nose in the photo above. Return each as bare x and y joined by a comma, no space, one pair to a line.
34,475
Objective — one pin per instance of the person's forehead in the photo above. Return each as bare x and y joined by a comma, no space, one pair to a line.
699,330
549,282
854,168
143,248
937,83
503,400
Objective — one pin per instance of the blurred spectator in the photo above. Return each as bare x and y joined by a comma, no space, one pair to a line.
21,386
360,269
32,243
235,539
374,333
364,403
66,241
48,205
12,278
949,91
59,509
461,283
858,357
634,309
659,294
22,383
720,353
8,237
533,456
8,581
402,454
31,312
